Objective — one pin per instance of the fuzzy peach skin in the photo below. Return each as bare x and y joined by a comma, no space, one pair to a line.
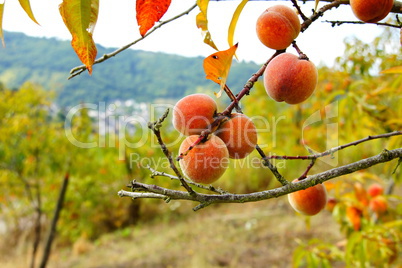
193,113
371,10
206,162
277,27
309,201
239,134
290,79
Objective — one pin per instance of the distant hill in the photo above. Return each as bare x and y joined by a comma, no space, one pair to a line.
133,74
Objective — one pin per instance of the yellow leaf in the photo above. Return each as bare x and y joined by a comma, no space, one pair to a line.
393,70
80,17
316,5
234,20
217,66
1,23
25,4
202,23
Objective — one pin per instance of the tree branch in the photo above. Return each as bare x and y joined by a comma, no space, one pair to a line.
154,191
79,69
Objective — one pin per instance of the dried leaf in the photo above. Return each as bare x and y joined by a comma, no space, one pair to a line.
202,23
1,23
26,5
80,17
217,66
393,70
234,20
149,12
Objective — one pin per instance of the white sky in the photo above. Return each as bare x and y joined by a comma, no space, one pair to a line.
117,27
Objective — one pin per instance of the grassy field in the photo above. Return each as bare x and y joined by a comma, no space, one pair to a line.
262,234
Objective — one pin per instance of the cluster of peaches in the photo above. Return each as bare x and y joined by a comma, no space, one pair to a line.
362,204
206,157
213,138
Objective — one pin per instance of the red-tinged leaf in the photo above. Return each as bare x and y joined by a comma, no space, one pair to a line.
80,17
26,5
202,23
1,23
149,12
217,66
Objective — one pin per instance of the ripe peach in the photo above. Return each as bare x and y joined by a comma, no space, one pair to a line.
378,204
193,113
309,201
371,10
277,27
289,78
375,189
239,134
206,162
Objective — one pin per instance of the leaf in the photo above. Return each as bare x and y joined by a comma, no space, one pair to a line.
316,5
393,70
202,23
234,20
149,12
217,66
1,23
26,5
80,17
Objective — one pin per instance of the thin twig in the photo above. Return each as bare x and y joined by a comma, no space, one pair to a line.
335,149
338,23
172,177
271,167
79,69
155,127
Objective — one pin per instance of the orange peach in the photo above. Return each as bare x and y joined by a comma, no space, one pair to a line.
239,134
206,162
378,204
371,10
309,201
375,189
194,113
289,78
277,27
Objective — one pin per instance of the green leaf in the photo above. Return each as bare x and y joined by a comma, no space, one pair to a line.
80,17
234,20
1,23
202,23
26,5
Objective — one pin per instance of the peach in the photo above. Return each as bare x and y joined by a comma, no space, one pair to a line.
277,27
289,78
194,113
239,134
371,10
206,162
378,204
375,189
309,201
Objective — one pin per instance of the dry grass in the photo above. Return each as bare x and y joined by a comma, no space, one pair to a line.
248,235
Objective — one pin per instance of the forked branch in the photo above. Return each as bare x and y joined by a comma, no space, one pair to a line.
141,190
